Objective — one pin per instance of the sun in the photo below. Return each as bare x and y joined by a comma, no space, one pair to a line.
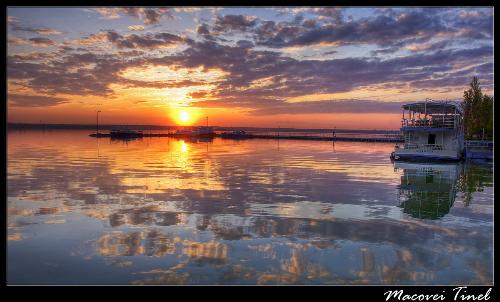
184,116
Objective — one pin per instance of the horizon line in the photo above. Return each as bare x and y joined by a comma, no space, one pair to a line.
93,126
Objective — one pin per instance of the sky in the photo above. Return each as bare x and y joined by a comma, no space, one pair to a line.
292,67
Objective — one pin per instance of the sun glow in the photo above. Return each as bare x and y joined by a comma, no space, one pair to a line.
184,116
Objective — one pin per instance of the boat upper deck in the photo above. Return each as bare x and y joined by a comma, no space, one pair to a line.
431,116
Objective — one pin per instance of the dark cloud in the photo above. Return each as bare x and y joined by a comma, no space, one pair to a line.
203,30
330,52
387,28
245,44
151,16
73,73
42,42
20,100
310,23
131,53
34,56
234,23
474,24
38,31
143,41
379,30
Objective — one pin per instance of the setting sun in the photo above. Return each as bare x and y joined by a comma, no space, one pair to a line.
184,116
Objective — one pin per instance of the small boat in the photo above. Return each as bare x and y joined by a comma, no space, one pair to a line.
124,134
237,134
201,131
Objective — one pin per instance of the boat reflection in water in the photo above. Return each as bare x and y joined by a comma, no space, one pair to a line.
427,191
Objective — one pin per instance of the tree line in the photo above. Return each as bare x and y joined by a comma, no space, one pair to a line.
478,112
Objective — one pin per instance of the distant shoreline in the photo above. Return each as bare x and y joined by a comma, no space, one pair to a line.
38,126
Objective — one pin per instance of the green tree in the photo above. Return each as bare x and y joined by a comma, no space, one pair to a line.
487,116
478,112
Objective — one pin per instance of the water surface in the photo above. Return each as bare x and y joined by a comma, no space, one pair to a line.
165,211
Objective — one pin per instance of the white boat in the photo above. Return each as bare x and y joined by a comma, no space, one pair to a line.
431,130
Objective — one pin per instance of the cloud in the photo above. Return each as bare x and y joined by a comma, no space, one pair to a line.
44,42
379,30
92,39
203,29
188,9
149,16
39,31
332,14
143,41
35,56
136,27
152,16
234,23
428,46
390,29
108,13
72,73
330,52
20,100
17,41
292,78
148,41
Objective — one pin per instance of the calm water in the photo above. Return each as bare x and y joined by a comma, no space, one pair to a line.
168,211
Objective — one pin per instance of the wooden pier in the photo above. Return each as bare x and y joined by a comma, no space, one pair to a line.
330,138
476,149
269,136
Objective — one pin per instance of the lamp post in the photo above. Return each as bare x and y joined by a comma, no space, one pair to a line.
97,124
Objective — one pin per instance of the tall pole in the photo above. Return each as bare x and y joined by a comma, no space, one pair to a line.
207,121
97,123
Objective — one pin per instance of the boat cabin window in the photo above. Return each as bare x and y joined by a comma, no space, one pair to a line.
432,139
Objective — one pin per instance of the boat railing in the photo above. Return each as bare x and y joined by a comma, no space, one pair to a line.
478,145
438,122
425,147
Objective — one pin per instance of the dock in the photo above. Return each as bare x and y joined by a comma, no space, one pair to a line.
330,138
476,149
273,136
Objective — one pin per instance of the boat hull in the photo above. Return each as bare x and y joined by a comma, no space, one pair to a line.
422,156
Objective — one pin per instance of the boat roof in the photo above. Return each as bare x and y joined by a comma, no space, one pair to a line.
433,107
